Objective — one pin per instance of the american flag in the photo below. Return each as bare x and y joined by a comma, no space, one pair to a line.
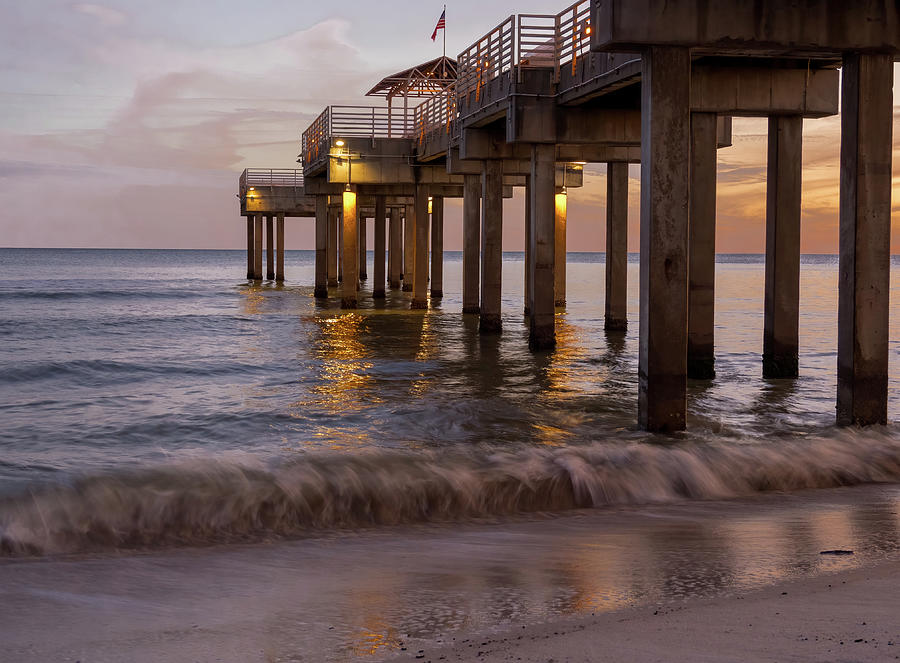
441,25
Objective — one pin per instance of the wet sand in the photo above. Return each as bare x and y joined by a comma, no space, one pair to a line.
850,616
708,569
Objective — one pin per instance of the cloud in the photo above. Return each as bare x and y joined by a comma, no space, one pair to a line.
106,16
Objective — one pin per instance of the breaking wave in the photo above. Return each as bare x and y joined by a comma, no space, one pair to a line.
206,501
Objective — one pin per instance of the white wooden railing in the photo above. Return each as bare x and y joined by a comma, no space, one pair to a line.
337,122
436,116
271,177
486,59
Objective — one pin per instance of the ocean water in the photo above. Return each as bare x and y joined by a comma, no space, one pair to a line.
157,398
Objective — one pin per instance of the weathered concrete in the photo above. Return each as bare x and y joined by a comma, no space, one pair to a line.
350,259
395,252
748,26
420,276
250,244
409,248
379,258
616,313
471,243
559,244
665,199
528,256
491,246
702,263
363,275
257,247
437,247
270,248
865,230
332,262
321,285
542,316
279,261
782,300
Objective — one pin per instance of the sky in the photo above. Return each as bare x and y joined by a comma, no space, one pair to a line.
126,123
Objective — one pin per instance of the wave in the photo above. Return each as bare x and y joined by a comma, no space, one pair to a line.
206,501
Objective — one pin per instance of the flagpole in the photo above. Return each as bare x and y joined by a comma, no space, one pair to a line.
443,62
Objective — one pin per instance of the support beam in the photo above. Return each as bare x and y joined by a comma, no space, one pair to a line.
270,248
420,275
257,247
363,275
559,248
332,247
616,314
542,240
321,288
782,303
349,250
702,246
491,245
279,261
665,200
409,248
395,256
437,247
378,267
528,254
865,233
471,243
340,244
250,247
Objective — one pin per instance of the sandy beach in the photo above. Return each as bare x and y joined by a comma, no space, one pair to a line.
850,616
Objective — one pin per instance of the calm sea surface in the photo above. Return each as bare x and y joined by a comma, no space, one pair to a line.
155,396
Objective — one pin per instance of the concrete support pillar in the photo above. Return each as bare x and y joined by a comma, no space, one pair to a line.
350,258
702,247
782,301
363,275
528,268
616,316
257,247
409,249
665,200
279,260
471,243
542,240
865,233
559,247
270,248
437,247
491,245
321,289
332,245
250,244
420,269
378,266
395,256
340,245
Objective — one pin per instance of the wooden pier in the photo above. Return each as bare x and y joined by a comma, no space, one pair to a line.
654,82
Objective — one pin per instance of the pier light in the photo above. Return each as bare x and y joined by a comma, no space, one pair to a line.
339,142
430,200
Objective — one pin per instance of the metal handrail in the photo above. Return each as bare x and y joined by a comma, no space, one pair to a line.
353,122
487,58
436,115
285,177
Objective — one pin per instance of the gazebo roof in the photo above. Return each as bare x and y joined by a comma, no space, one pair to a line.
424,80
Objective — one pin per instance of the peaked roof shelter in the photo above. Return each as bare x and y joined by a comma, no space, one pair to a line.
422,81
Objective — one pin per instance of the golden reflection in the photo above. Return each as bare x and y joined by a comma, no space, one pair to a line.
252,301
344,383
427,350
562,376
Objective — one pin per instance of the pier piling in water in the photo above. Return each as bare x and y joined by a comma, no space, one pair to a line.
656,84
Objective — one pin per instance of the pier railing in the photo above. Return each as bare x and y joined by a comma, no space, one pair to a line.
487,58
271,177
436,117
337,122
555,40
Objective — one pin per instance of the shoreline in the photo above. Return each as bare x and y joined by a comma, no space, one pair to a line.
845,615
